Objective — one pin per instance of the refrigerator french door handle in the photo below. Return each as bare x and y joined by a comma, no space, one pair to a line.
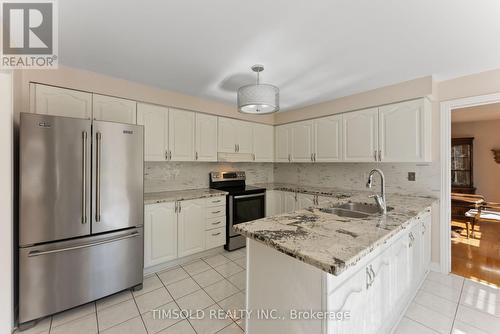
84,178
98,178
91,244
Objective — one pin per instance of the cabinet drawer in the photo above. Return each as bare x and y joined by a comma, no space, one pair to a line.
216,201
216,222
216,211
215,237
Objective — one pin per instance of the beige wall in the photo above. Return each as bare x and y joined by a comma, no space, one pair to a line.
103,84
486,171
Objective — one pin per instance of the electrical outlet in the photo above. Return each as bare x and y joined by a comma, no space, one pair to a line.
411,176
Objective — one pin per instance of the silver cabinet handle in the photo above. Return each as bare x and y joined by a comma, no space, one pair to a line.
369,278
215,234
238,146
98,177
91,244
217,201
217,223
166,154
84,178
379,155
375,155
175,207
312,159
374,274
235,147
196,156
253,154
180,207
214,212
289,158
169,155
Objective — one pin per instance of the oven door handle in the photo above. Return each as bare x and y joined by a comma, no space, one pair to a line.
250,196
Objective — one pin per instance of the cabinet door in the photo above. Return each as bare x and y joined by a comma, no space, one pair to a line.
350,297
273,203
263,142
155,121
304,201
379,293
56,101
301,141
206,137
282,143
181,135
227,135
244,137
426,242
191,226
113,109
160,233
415,255
404,129
324,200
289,200
400,275
360,135
328,138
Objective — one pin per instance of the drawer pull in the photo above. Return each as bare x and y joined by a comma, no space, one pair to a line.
215,234
216,223
217,201
214,212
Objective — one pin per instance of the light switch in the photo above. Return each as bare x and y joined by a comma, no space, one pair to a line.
411,176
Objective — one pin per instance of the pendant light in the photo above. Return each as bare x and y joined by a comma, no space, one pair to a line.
258,98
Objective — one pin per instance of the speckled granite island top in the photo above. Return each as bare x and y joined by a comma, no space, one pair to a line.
332,243
181,195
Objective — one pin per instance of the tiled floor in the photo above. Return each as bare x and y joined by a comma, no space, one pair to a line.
212,284
451,304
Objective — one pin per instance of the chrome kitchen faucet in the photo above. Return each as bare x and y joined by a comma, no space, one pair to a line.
380,199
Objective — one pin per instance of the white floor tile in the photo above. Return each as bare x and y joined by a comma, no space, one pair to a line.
231,329
239,279
209,325
132,326
462,328
228,269
172,275
481,297
450,280
156,322
196,267
480,320
234,305
182,327
221,290
241,324
242,262
208,277
408,326
85,325
216,260
237,254
182,288
150,283
116,314
153,299
113,299
436,303
442,291
198,300
42,326
429,318
73,314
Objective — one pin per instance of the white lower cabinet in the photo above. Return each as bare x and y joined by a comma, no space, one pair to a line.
273,203
177,229
160,233
304,201
289,201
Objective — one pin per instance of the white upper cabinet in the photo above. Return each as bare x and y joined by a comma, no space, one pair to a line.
263,142
160,233
360,135
405,131
181,134
113,109
191,226
282,143
244,136
57,101
328,139
206,137
155,121
227,135
302,142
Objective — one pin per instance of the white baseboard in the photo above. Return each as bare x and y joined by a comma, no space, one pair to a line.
176,262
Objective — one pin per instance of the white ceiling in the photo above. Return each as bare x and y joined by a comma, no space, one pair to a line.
487,112
313,50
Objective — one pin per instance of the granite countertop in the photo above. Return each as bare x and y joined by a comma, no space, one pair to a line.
330,242
181,195
321,191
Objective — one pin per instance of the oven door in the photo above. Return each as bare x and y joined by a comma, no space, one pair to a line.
244,208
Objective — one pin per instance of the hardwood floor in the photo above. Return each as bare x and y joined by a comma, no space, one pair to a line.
478,257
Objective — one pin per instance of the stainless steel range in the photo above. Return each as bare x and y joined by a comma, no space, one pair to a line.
244,203
81,212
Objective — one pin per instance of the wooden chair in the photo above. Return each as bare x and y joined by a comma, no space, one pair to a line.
489,211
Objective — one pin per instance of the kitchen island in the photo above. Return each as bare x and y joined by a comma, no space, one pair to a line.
311,271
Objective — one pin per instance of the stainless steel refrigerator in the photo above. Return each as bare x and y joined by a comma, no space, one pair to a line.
81,212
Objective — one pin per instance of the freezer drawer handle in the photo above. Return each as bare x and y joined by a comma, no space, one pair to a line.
84,178
98,178
52,251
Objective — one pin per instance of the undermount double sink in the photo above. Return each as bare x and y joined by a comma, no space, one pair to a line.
354,210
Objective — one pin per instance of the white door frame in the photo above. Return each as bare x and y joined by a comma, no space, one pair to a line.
445,142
